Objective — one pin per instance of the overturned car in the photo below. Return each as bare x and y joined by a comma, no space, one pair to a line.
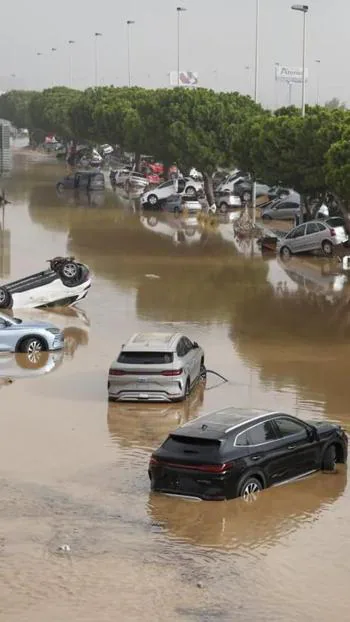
64,283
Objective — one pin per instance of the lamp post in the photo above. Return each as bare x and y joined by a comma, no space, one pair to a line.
277,65
97,34
256,89
303,8
53,81
179,10
129,23
318,82
70,43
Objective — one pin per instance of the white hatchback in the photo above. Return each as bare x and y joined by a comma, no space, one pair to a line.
182,186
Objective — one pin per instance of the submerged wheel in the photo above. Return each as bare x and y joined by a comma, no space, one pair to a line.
285,253
250,488
153,200
32,361
327,248
329,459
190,191
223,207
6,301
33,346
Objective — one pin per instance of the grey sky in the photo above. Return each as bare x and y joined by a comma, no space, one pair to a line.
216,36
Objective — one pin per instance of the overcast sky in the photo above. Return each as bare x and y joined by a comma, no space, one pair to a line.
217,41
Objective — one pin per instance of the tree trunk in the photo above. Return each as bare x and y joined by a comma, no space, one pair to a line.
137,161
209,191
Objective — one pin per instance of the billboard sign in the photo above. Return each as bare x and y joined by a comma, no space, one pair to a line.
290,74
186,78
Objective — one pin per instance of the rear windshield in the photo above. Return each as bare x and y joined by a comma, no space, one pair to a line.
205,447
146,358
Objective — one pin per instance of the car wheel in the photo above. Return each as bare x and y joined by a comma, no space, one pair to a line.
6,300
246,196
59,187
329,459
33,346
190,191
327,248
285,253
70,273
266,217
153,200
152,221
203,371
250,488
223,208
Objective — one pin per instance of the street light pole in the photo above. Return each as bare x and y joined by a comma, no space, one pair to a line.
129,22
97,34
318,82
179,10
303,8
256,90
70,43
277,65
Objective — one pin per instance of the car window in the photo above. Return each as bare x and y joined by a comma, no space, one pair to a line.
167,184
146,358
288,427
335,222
187,344
297,233
242,439
261,433
321,227
181,350
312,227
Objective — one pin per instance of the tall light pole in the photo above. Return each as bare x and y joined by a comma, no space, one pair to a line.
318,82
129,23
256,88
179,10
277,65
53,81
97,34
303,8
70,43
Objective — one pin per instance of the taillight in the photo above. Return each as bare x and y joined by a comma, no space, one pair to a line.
333,232
206,468
172,372
116,372
154,461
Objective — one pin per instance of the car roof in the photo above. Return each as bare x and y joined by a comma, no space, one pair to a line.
159,342
218,423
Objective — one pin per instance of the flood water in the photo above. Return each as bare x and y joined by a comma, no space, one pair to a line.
73,468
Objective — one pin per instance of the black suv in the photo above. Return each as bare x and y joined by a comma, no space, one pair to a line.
235,452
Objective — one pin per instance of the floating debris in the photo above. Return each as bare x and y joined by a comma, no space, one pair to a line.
64,548
152,276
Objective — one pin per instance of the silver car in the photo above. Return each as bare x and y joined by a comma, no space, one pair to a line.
312,236
283,209
156,367
30,337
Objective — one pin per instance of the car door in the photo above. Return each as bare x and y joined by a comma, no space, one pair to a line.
165,190
285,210
8,339
180,186
302,448
312,237
267,452
296,239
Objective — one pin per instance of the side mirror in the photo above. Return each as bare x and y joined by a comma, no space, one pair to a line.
195,344
312,434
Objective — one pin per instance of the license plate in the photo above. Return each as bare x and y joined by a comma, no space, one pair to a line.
142,380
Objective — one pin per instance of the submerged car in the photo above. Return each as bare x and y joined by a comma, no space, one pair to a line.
183,186
237,453
63,284
178,204
82,180
226,200
312,236
32,337
283,209
156,367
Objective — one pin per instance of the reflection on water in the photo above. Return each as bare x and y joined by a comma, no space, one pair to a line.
238,524
74,468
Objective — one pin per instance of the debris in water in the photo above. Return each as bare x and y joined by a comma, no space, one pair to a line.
200,584
152,276
64,548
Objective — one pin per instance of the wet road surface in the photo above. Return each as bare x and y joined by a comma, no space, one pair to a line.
73,468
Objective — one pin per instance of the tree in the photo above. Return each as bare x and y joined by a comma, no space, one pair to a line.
338,170
50,110
14,107
335,104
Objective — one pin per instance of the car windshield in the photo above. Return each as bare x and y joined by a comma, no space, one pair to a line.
146,358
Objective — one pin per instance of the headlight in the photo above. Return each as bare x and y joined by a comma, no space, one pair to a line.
54,331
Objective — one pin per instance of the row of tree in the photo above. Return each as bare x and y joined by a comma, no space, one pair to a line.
203,129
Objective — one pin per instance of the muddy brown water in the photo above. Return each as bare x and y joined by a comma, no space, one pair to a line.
73,469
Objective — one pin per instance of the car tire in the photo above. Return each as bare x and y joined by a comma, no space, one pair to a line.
329,459
59,187
152,200
6,300
152,221
249,488
191,191
223,208
32,346
285,253
247,196
203,371
70,273
266,217
327,248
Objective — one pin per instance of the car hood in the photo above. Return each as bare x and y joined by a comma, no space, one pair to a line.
38,324
324,427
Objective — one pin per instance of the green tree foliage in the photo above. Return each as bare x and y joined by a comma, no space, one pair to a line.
14,107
